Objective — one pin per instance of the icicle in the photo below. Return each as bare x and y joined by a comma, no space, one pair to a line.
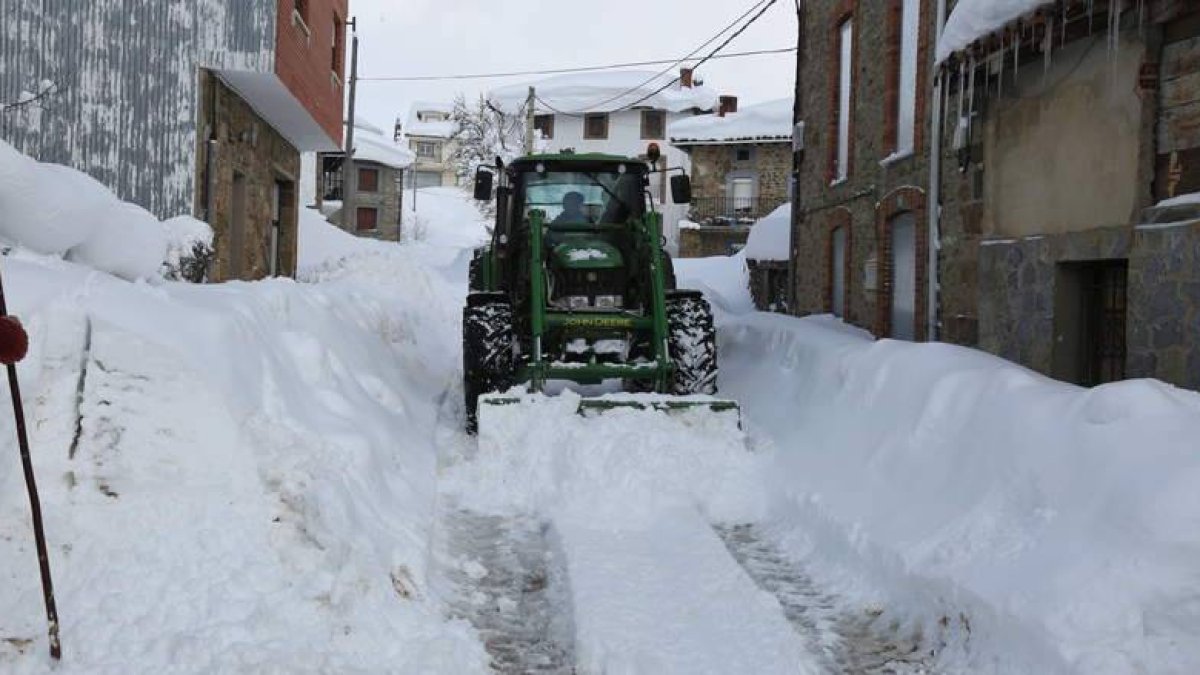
1017,55
1063,39
1000,79
1091,6
962,87
1113,20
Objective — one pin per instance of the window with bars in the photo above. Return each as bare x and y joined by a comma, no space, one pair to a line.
595,126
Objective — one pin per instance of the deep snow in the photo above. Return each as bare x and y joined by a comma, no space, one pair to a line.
271,476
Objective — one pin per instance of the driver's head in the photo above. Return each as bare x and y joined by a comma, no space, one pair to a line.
573,201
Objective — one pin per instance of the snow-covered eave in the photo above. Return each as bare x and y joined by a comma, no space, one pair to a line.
682,142
274,102
973,22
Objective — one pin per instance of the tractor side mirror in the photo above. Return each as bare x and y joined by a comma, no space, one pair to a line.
483,185
681,189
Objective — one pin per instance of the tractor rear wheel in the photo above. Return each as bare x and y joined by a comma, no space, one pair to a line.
692,343
488,363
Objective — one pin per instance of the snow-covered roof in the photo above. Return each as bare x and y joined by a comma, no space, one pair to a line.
416,125
771,237
606,92
372,145
974,19
271,99
763,123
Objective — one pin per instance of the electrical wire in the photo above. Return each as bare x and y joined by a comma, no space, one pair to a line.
671,67
564,71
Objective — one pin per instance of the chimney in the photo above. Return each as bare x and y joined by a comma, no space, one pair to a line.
728,105
686,81
398,134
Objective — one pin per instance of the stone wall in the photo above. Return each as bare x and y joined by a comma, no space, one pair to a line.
386,200
248,147
711,240
1164,304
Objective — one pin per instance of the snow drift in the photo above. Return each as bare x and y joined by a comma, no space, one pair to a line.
55,210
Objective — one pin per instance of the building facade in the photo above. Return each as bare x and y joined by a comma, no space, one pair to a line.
860,199
1062,132
381,165
194,108
429,132
741,171
617,113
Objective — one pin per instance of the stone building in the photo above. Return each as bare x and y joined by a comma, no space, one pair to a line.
199,107
1060,131
741,171
1056,164
860,203
381,165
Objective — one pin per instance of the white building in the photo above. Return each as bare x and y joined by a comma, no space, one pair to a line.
618,113
428,131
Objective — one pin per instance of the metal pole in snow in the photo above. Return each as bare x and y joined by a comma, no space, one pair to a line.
35,504
349,175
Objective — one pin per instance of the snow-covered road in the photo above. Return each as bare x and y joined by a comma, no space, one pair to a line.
273,477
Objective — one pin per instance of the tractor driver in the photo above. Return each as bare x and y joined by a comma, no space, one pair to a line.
572,212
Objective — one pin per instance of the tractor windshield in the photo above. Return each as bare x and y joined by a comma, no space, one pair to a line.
584,197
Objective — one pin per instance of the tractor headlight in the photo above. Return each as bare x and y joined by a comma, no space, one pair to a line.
578,301
609,302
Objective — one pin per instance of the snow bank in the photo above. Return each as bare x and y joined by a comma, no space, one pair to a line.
974,19
56,210
606,92
757,123
771,237
724,280
245,481
1068,514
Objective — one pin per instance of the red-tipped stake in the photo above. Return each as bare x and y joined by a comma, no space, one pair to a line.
13,345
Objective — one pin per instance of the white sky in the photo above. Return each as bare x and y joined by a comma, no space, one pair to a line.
435,37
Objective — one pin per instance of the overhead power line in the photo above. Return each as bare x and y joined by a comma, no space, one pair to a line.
565,71
697,50
713,54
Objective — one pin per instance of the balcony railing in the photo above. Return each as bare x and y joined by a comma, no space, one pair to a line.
331,185
732,210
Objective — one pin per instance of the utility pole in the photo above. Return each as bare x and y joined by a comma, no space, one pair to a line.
349,175
530,112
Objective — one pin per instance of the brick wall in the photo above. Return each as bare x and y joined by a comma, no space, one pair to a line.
304,60
869,195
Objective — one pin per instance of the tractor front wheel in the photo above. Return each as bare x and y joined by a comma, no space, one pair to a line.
692,343
488,363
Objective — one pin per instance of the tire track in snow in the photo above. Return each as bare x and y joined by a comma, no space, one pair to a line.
508,583
848,642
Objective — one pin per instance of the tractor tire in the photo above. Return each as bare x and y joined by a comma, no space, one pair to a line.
475,270
488,361
692,343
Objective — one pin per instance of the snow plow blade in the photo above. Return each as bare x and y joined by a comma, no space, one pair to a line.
682,406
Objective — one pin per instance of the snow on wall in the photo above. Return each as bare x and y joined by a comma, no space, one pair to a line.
126,116
771,237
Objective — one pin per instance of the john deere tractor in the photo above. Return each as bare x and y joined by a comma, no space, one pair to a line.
575,286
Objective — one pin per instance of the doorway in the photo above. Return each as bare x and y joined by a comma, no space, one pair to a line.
903,229
237,229
1090,301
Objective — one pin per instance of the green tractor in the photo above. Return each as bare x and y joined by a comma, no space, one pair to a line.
575,286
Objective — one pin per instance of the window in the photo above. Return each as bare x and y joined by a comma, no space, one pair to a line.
743,155
845,81
569,197
595,126
838,271
339,45
368,219
742,190
300,15
368,180
654,124
544,124
906,113
427,150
